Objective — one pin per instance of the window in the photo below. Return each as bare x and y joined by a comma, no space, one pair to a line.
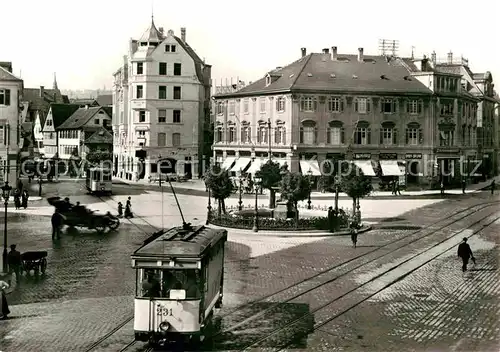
308,104
176,139
362,134
176,116
362,105
280,134
177,93
162,139
245,106
414,107
162,92
335,104
162,69
177,69
167,48
446,138
2,135
262,105
280,104
162,116
220,108
105,123
335,134
4,96
96,121
139,68
232,134
139,92
172,48
413,135
388,106
218,134
141,134
262,133
447,108
231,107
469,136
142,115
246,133
308,132
387,136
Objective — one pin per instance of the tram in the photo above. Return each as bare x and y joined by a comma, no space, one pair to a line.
179,283
98,180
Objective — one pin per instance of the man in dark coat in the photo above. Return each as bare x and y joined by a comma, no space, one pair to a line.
57,221
465,253
493,186
14,261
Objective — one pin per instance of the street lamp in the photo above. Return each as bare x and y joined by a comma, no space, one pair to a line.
255,228
5,193
337,186
309,179
240,202
209,207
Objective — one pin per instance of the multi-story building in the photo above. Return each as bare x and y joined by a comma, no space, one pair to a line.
386,113
161,103
56,116
11,88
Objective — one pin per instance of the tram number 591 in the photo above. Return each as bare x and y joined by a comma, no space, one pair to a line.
164,311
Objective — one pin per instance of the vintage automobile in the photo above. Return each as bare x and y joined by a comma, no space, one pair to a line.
82,217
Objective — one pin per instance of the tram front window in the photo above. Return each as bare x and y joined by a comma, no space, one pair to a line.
150,283
181,280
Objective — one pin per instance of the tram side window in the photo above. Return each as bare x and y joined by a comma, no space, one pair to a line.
106,176
187,280
96,176
149,283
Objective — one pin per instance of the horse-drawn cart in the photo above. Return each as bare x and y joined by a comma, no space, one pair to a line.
79,216
35,260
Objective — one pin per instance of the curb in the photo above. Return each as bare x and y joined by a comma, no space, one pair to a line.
305,233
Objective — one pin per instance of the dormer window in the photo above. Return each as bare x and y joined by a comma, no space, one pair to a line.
268,80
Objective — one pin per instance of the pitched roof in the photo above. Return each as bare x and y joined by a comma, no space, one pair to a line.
105,99
85,101
318,72
152,34
61,112
5,75
101,136
80,117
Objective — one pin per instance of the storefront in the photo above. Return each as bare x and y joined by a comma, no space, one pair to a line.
449,166
364,162
414,167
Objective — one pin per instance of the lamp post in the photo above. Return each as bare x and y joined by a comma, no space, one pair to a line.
256,216
5,193
309,179
337,185
240,201
209,207
40,185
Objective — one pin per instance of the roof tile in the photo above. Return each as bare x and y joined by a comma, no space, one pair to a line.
80,117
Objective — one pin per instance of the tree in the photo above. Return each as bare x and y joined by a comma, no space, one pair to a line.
270,174
294,187
219,183
355,184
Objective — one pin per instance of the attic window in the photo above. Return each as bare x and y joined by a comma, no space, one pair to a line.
332,75
309,75
354,76
101,112
291,75
268,80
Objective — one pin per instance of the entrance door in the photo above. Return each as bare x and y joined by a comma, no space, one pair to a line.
142,169
188,168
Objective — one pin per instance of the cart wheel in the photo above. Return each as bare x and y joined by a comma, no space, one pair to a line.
100,227
43,265
113,223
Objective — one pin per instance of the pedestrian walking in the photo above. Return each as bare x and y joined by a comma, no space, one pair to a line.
465,253
493,186
128,209
17,198
5,306
464,184
14,262
398,188
393,187
57,221
330,219
25,196
441,186
353,228
120,209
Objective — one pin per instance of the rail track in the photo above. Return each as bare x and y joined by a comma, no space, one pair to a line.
415,237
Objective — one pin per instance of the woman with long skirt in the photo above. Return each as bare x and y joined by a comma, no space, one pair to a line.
5,306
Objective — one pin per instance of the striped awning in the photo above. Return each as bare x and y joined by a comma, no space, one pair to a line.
256,165
240,164
310,165
365,166
390,168
228,162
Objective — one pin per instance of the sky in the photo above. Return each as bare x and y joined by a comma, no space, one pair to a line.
84,42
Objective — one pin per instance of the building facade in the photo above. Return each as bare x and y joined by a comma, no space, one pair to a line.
161,104
392,116
11,88
57,115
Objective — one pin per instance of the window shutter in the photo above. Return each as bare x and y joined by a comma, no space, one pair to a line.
249,134
381,136
420,106
301,137
356,105
341,104
395,139
7,97
284,104
315,135
259,134
276,135
369,135
278,104
407,103
368,105
381,105
420,136
284,136
394,106
242,138
407,141
302,105
328,136
315,104
342,135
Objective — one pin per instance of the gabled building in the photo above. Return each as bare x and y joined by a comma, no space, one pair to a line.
161,106
56,116
380,111
11,88
83,102
105,100
81,125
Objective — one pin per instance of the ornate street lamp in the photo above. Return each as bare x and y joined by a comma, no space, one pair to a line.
240,201
309,179
255,228
6,194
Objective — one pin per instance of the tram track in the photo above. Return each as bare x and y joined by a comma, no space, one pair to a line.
269,297
327,318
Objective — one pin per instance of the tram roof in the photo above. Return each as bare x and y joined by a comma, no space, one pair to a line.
177,242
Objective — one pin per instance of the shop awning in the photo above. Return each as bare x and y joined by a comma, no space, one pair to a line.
310,165
365,166
240,164
390,168
228,162
256,165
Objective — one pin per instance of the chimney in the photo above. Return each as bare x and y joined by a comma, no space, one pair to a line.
334,53
162,31
423,64
326,51
450,57
125,60
41,91
360,55
183,34
304,51
433,58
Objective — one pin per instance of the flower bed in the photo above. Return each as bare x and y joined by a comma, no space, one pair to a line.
267,223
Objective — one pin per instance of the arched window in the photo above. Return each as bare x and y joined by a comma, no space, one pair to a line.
231,132
219,132
262,132
335,133
388,133
414,134
308,132
362,135
246,132
280,133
